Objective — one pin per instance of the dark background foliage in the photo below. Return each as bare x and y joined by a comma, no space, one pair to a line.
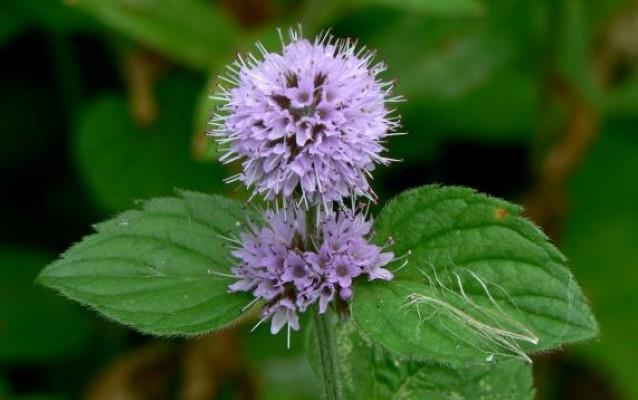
103,102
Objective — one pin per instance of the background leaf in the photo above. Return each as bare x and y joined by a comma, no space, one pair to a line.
600,239
52,16
11,25
122,162
189,30
476,254
623,102
434,7
467,77
284,372
157,269
36,325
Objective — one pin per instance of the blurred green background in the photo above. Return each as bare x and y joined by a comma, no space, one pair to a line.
104,102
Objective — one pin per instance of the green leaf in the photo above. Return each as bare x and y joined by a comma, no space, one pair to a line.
35,325
11,25
315,15
368,372
53,16
122,162
449,57
189,30
599,238
288,379
468,77
573,46
583,28
623,101
504,107
434,7
482,283
157,269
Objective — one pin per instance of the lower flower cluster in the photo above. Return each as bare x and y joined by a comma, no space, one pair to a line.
277,264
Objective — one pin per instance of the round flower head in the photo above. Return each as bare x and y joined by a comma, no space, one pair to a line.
275,265
307,123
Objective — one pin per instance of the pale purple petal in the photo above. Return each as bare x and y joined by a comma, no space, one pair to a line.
290,279
317,109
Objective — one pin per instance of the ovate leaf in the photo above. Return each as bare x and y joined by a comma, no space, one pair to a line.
158,269
121,161
482,283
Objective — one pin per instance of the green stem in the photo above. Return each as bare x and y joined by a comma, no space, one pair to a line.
327,351
326,343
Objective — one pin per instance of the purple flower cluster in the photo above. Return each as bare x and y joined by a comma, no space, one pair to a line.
279,266
308,123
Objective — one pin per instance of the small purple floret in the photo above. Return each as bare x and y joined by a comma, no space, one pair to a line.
276,267
307,123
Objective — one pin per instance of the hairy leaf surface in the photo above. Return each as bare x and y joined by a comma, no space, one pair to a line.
157,269
482,282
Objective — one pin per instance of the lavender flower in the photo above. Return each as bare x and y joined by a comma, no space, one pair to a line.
276,266
308,123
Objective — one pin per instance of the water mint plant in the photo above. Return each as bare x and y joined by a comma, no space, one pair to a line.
445,288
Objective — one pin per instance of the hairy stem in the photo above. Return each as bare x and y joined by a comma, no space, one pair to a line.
327,351
326,344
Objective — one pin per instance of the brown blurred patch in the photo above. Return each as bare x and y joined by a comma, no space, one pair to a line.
198,369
